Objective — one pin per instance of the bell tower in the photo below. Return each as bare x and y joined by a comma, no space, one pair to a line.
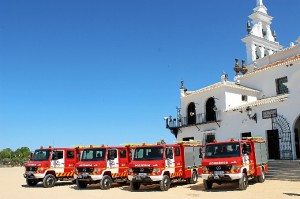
260,41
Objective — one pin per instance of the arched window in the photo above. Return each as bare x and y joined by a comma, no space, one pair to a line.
210,112
191,113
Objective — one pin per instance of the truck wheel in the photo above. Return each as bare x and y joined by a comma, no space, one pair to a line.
49,181
207,184
30,182
194,178
134,186
262,177
243,182
165,183
81,185
106,182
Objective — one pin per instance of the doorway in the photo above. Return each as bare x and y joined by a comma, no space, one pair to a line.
273,144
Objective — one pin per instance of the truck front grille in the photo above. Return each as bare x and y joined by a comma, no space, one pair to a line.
85,169
219,168
142,170
31,168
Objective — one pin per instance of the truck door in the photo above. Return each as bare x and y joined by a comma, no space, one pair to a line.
70,160
112,160
123,160
178,159
170,162
58,161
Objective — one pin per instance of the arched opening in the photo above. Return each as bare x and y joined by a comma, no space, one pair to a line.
210,110
191,113
297,137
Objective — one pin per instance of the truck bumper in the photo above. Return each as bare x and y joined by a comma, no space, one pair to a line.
144,178
87,177
31,175
225,177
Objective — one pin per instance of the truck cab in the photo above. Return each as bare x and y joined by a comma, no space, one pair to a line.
48,165
162,163
234,161
103,165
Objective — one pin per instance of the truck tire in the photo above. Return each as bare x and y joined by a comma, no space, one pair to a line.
165,183
106,182
31,182
49,181
207,184
262,177
81,185
134,186
243,182
194,178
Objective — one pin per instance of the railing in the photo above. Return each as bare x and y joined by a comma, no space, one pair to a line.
200,119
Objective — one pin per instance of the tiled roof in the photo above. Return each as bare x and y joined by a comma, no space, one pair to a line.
221,84
269,100
272,65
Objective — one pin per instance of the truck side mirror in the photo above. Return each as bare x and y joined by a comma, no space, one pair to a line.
200,153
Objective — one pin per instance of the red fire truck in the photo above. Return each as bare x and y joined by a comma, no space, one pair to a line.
161,163
48,165
104,165
235,161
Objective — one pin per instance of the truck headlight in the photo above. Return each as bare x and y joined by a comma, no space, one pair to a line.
131,170
97,170
156,170
235,167
204,168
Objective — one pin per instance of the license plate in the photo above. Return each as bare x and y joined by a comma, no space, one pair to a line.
142,174
219,172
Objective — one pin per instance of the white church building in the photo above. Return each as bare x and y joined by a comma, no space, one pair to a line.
252,105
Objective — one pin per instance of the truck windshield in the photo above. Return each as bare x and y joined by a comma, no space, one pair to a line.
223,150
41,155
148,153
93,154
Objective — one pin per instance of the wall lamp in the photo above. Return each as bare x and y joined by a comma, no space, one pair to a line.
249,112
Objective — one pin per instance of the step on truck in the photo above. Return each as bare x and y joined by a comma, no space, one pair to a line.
235,161
48,165
163,163
103,165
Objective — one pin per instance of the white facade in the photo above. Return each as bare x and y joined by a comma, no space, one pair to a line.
269,81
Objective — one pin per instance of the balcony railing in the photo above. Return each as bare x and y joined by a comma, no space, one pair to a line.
200,119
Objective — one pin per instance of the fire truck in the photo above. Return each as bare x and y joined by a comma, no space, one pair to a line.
48,165
235,161
163,163
104,165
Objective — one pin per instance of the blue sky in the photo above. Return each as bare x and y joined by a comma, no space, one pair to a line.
80,72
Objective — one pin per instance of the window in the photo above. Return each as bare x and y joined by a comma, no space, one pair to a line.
57,155
281,88
210,138
70,154
245,135
122,153
187,138
177,151
244,98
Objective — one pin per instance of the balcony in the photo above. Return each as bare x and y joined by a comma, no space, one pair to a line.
199,119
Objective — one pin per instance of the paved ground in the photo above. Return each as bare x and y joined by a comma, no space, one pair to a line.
13,186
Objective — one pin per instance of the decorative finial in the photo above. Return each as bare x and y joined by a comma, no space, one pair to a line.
236,67
259,3
274,35
244,70
249,27
182,84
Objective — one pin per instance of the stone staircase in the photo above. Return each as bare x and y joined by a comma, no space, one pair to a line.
285,170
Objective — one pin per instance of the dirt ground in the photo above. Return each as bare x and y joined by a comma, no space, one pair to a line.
13,186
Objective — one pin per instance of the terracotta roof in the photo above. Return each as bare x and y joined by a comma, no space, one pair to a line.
221,84
269,100
278,63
